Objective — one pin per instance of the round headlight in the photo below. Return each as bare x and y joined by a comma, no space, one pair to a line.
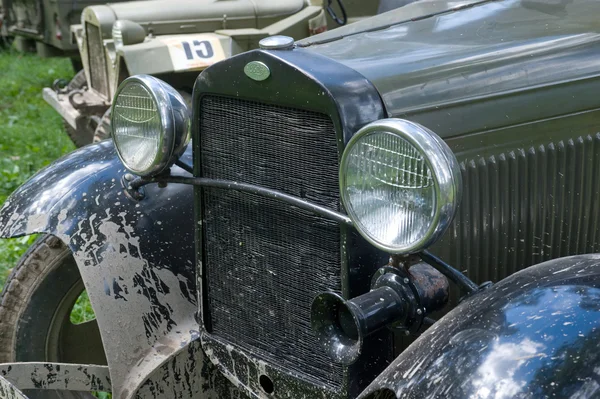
150,123
400,185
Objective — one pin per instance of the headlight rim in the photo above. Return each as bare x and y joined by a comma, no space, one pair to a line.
446,176
167,101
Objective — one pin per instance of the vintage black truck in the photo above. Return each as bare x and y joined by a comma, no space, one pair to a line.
430,174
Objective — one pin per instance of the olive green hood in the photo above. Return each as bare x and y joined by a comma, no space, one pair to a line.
165,17
447,64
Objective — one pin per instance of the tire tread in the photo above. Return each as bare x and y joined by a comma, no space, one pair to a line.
23,278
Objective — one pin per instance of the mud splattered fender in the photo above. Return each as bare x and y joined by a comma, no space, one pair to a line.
50,376
535,334
187,374
9,391
136,258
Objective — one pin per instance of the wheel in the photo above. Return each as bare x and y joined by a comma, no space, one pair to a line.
85,133
103,130
35,309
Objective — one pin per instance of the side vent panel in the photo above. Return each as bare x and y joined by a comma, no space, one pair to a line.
525,206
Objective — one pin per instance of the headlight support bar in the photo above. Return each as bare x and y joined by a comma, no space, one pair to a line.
139,182
134,190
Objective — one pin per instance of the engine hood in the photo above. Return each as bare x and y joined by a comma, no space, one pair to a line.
449,63
185,16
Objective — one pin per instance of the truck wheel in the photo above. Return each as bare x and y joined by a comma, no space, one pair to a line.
35,309
103,130
85,134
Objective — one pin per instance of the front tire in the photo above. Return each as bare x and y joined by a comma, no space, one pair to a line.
35,309
103,130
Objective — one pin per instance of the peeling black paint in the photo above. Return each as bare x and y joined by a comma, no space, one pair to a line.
117,290
149,284
188,374
53,376
113,240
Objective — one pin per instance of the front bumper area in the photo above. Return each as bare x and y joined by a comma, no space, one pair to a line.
76,107
61,105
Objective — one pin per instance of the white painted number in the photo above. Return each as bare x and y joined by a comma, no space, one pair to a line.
198,48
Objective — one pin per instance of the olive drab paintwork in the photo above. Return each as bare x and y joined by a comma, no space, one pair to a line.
508,84
9,391
3,30
483,54
236,26
177,39
43,25
496,80
228,27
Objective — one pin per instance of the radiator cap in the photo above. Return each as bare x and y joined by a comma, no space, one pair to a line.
276,43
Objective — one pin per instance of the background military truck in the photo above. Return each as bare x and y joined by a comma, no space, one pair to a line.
3,32
175,40
43,26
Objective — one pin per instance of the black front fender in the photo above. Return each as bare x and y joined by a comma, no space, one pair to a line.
136,258
535,334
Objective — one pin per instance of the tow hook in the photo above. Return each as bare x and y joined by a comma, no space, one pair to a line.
60,86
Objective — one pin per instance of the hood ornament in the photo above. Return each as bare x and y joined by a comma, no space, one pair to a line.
257,70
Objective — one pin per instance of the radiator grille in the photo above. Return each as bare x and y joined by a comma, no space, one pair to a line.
526,206
265,261
97,64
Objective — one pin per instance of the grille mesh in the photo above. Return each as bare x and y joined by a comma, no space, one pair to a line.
265,261
95,50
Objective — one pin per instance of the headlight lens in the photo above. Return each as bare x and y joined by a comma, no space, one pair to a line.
400,185
150,123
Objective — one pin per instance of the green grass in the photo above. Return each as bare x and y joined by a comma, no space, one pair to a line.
31,133
31,137
82,310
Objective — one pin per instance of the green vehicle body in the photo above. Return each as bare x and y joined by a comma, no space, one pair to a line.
159,39
43,26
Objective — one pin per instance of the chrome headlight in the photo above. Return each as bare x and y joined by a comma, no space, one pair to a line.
400,184
150,123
